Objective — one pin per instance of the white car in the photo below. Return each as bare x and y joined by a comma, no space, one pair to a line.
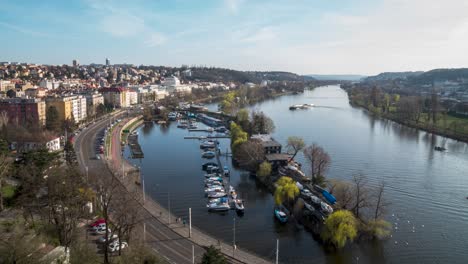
100,226
114,246
111,237
102,231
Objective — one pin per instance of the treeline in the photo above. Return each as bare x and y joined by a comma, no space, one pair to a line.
425,112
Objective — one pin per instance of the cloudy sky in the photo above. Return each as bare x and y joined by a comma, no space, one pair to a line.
302,36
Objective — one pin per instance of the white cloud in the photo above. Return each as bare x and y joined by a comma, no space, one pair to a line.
155,39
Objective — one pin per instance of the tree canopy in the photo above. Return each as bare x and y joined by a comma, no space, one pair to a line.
286,190
340,227
213,256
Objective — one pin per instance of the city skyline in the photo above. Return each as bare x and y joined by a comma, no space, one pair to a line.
336,37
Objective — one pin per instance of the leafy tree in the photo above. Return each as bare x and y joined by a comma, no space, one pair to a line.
5,165
286,190
52,119
264,169
340,227
295,144
101,110
242,118
213,256
378,228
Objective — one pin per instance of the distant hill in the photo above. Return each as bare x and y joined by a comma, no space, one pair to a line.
336,77
388,76
441,75
228,75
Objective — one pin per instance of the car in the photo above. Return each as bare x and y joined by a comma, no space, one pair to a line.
102,231
114,246
98,157
97,222
111,237
99,225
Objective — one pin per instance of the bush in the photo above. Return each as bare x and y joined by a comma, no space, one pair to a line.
213,256
264,169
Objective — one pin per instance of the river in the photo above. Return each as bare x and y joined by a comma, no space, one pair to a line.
426,189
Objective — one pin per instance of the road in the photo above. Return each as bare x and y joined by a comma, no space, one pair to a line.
173,247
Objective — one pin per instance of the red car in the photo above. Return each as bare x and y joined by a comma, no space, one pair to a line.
98,222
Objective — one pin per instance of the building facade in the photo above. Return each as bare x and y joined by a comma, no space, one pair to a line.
22,111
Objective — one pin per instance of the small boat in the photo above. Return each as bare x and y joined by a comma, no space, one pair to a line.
212,169
216,194
214,189
239,205
221,129
214,184
208,154
221,206
314,199
281,213
326,208
226,171
232,192
172,116
209,175
217,200
182,124
206,165
209,129
208,144
193,125
438,148
211,179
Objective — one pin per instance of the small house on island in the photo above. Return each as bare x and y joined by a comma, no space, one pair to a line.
270,145
277,160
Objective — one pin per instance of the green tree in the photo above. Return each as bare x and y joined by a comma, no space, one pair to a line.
378,228
52,119
242,118
264,169
213,256
295,144
286,190
261,123
340,227
101,110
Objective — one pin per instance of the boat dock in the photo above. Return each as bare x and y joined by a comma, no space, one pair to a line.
206,137
135,147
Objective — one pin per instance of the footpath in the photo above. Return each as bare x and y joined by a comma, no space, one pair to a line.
123,171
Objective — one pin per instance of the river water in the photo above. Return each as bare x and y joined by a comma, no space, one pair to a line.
426,189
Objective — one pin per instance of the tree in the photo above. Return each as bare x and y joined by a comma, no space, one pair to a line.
264,169
100,110
242,118
340,227
249,154
434,105
286,189
52,119
17,243
380,203
5,165
319,162
238,137
213,256
70,154
66,203
361,199
343,193
295,144
261,123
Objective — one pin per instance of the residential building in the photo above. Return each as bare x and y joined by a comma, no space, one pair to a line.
79,108
69,107
51,143
49,84
75,63
35,92
107,62
7,85
21,111
270,145
93,100
115,97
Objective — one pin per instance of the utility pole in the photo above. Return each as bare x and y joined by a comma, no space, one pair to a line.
143,184
87,178
190,222
193,254
144,232
277,250
234,237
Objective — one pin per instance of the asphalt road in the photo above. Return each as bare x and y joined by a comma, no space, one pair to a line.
170,245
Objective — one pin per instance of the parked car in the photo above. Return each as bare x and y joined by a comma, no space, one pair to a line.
99,225
98,157
102,231
111,237
97,222
114,246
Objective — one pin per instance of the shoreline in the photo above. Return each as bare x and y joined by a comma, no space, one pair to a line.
198,237
410,125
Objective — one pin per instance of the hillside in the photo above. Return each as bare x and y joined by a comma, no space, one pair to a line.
228,75
388,76
336,77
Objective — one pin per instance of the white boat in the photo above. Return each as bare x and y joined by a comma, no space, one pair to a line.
239,204
326,208
315,199
208,144
212,179
221,206
309,207
214,189
232,192
216,194
208,154
214,184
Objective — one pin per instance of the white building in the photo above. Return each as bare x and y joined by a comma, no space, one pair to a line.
49,84
52,144
171,81
78,105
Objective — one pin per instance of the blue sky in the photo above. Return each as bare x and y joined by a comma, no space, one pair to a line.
302,36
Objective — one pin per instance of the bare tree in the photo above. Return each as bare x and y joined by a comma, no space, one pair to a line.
295,144
380,203
251,154
360,193
4,170
343,193
319,161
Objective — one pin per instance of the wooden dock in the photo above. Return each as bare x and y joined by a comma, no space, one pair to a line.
205,137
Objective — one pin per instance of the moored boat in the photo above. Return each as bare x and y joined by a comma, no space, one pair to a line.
208,154
220,206
239,205
216,194
226,171
281,213
206,165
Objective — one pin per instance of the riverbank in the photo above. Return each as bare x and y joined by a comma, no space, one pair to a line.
417,125
164,216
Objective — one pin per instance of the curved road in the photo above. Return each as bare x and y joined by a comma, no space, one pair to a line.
173,247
